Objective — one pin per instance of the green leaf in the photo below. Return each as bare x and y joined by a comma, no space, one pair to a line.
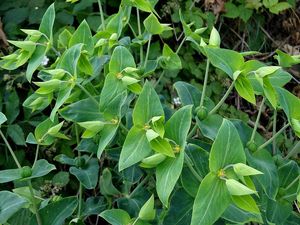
153,26
3,118
83,110
180,211
190,95
112,98
167,174
147,212
214,39
226,60
40,169
245,202
211,201
47,22
83,35
153,160
279,7
232,10
170,60
236,188
116,216
143,5
245,89
177,128
12,108
147,106
16,133
286,60
161,145
88,174
107,135
289,102
263,161
9,175
227,148
69,59
269,92
242,169
10,203
136,147
26,45
266,70
35,60
121,58
41,132
106,185
63,94
57,212
239,216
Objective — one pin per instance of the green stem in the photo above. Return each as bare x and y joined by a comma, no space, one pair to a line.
140,33
87,93
295,150
192,132
189,163
10,150
38,218
274,131
223,99
205,83
36,154
139,186
180,45
292,183
159,79
80,185
148,50
123,127
257,119
79,201
101,15
135,221
273,137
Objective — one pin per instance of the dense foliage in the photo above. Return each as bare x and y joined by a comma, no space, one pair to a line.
119,128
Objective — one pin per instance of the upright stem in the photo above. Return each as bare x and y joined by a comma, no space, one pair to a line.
192,132
274,131
87,93
140,33
295,150
273,137
205,83
148,50
257,119
80,185
139,186
180,45
38,218
36,154
101,15
10,150
223,99
80,200
191,168
160,77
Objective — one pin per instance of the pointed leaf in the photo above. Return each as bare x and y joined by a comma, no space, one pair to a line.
57,212
136,147
147,106
10,203
88,174
211,201
227,148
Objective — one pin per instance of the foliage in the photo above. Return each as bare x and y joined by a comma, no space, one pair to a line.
109,144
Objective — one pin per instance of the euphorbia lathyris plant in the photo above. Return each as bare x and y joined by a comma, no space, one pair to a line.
156,164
